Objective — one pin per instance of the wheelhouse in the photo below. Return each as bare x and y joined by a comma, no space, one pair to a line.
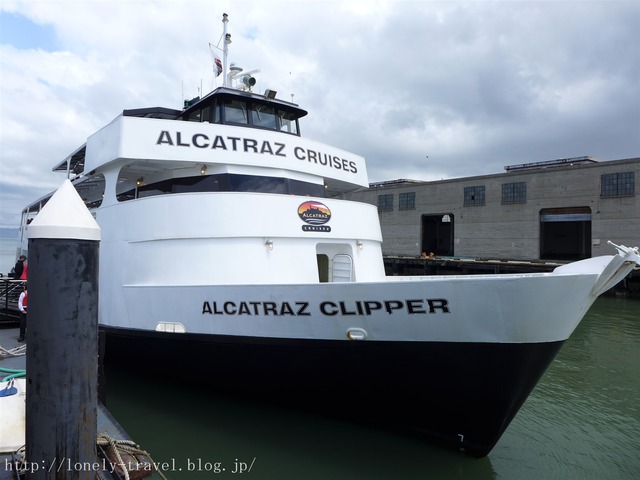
232,107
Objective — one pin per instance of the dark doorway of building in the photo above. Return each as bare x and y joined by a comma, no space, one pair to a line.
565,233
437,234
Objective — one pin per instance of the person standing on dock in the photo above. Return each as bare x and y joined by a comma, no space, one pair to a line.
23,275
22,306
19,267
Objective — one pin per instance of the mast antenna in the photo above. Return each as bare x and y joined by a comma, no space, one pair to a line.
225,49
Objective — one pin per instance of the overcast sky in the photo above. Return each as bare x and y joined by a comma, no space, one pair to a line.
422,89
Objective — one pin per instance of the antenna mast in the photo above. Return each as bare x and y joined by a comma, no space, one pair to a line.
225,49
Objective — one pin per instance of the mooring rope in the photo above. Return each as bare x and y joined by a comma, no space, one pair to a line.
102,440
127,446
13,352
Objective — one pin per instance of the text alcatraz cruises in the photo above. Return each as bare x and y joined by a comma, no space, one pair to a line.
251,145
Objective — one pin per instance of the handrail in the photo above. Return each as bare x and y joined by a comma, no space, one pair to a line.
9,293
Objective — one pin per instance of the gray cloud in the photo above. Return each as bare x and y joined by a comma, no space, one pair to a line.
421,89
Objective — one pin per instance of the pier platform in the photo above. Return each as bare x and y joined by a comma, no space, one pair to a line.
436,265
110,432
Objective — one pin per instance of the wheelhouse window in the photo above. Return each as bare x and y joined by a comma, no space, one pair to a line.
617,184
474,196
206,115
264,116
230,109
288,122
235,111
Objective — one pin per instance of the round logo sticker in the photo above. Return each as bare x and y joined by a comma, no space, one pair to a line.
314,213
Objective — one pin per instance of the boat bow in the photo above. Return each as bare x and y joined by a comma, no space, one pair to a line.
613,268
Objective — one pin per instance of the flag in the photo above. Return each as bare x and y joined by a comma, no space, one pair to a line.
217,63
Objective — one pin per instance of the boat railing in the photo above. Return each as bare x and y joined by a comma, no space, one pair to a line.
10,290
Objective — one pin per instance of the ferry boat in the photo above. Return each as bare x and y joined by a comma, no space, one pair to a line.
227,246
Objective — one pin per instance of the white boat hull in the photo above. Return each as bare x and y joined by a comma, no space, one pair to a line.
497,309
449,358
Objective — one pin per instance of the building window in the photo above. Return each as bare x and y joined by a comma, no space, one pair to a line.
407,201
514,193
617,184
473,196
385,203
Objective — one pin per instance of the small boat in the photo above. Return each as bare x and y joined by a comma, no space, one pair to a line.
227,237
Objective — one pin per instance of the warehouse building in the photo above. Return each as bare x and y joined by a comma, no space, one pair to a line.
565,209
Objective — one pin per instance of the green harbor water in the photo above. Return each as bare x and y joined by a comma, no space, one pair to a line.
582,421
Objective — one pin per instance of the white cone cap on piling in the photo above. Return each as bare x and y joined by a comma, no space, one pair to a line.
64,216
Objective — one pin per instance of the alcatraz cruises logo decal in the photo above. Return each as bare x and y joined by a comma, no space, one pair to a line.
315,215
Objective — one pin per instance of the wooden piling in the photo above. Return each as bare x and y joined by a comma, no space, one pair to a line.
62,340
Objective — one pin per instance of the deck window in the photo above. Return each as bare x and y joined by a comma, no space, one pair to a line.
252,183
224,183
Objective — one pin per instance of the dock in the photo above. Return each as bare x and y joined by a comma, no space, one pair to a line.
442,265
108,467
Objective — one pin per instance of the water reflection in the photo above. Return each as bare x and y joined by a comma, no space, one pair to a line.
584,416
176,421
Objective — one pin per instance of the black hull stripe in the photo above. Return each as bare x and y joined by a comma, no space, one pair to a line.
458,395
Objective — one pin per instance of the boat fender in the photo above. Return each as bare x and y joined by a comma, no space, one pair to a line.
8,390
